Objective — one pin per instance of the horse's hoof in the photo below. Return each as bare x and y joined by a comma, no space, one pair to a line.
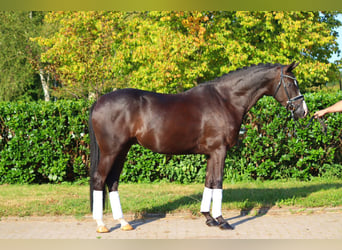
211,223
225,226
102,229
127,227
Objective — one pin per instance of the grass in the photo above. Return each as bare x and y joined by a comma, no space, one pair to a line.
139,199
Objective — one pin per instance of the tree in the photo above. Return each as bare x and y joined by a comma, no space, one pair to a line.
94,52
307,37
18,79
81,54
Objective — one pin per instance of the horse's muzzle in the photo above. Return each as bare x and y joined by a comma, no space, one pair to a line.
300,111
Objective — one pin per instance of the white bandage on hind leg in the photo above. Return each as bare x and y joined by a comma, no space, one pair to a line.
98,206
116,205
217,203
116,208
206,199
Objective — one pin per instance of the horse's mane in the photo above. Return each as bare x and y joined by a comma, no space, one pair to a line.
254,66
243,70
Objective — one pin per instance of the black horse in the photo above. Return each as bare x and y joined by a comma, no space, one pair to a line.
203,120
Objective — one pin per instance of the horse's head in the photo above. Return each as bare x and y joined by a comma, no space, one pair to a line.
288,94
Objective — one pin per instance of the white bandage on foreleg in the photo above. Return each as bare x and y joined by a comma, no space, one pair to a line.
217,203
206,199
97,205
116,205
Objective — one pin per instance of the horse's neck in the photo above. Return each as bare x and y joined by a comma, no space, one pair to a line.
245,94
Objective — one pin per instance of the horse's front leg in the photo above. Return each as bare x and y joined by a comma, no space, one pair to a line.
213,190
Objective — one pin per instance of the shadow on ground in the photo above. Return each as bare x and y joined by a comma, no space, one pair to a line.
251,198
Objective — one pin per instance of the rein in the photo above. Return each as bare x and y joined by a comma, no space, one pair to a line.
323,125
297,124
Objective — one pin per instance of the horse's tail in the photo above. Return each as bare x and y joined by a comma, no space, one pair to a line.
94,157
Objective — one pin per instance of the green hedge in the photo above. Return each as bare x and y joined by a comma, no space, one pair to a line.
43,141
48,142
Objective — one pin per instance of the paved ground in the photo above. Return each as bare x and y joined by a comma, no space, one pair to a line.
274,224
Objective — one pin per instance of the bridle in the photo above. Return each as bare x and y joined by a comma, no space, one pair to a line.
291,106
290,103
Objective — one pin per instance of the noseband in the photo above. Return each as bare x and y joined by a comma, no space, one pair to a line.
289,104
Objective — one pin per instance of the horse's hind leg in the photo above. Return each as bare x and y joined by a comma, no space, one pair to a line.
100,176
113,183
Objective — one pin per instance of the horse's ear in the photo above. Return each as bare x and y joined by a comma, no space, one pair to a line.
292,66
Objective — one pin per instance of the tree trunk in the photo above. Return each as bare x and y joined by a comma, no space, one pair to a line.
45,85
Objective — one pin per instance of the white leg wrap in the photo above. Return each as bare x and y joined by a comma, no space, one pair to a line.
206,199
217,202
116,205
123,222
97,205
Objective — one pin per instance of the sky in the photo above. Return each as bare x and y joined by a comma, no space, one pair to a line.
339,41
